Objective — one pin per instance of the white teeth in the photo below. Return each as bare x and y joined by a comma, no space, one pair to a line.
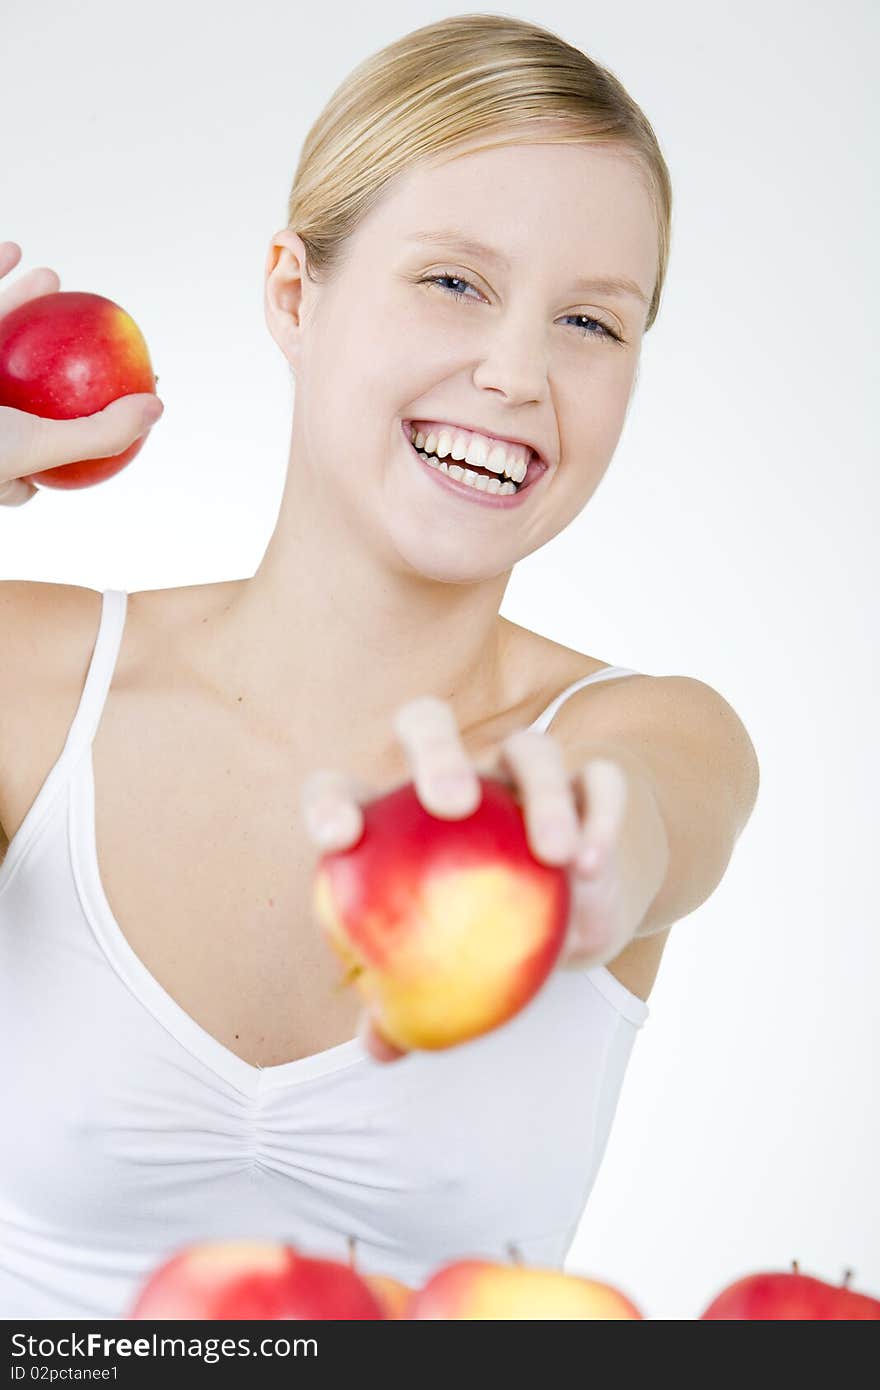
478,451
460,444
477,480
444,444
474,449
497,459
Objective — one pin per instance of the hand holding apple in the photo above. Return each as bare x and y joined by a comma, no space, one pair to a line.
449,929
77,391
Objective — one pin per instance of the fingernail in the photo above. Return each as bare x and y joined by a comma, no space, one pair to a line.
152,412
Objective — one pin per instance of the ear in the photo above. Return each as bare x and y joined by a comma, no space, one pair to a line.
285,277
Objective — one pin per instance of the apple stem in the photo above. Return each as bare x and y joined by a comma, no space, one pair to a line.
351,1245
847,1275
514,1253
794,1265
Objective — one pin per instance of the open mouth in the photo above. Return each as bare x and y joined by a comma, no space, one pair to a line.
483,484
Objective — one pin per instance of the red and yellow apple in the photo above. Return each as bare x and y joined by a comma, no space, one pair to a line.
391,1293
783,1295
254,1279
482,1289
446,927
69,354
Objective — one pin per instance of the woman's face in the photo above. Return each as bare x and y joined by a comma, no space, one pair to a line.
511,344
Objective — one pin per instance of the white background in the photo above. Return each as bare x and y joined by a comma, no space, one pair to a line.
148,153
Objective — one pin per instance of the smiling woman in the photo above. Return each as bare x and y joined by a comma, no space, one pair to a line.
460,390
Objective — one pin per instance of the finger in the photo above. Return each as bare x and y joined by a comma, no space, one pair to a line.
100,435
31,285
445,779
604,786
33,443
536,763
10,255
331,810
598,926
15,492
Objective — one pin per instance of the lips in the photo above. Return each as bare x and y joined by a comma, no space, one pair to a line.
535,470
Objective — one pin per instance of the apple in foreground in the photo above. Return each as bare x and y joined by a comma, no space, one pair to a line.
446,927
482,1289
393,1295
254,1279
783,1295
68,354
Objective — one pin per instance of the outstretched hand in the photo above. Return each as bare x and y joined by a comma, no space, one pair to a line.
570,821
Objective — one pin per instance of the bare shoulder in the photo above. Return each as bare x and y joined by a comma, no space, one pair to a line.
47,637
46,632
41,626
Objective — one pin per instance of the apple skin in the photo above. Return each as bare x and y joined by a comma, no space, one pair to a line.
481,1289
254,1279
783,1295
69,354
391,1293
447,927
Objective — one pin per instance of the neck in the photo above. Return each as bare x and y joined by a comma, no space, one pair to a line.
332,634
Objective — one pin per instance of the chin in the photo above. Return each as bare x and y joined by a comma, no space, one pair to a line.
454,568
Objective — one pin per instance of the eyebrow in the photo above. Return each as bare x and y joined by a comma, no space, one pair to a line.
452,237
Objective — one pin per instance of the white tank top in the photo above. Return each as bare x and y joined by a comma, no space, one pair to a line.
128,1131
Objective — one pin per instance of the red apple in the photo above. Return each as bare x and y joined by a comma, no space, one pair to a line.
781,1296
252,1279
69,354
482,1289
447,927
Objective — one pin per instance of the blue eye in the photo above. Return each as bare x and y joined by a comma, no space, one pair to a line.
603,330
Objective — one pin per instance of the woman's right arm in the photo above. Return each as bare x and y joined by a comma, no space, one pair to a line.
31,443
28,444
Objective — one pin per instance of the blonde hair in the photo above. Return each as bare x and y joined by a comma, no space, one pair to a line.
466,76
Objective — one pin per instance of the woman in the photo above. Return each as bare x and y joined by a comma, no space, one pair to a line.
477,239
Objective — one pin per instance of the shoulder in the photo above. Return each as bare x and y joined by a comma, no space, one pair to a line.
41,626
47,633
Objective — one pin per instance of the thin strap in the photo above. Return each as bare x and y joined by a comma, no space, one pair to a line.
607,673
100,672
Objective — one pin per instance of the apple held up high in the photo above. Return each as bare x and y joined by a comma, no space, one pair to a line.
789,1295
447,927
254,1279
69,354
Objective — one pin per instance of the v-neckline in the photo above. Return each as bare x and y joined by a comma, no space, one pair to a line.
247,1077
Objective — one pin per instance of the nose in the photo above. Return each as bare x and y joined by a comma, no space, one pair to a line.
514,363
